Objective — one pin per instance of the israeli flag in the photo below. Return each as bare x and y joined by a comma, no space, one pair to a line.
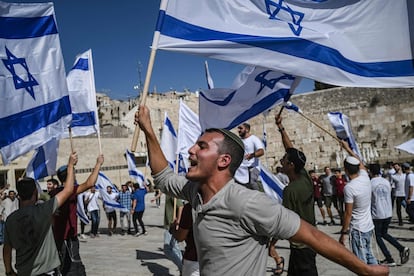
291,106
82,94
272,186
101,183
342,126
255,90
34,102
188,131
347,43
169,146
80,209
44,160
134,173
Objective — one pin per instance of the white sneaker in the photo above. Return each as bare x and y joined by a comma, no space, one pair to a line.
82,237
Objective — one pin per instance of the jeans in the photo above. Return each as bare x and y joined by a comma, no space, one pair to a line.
138,216
125,219
381,232
1,232
361,246
95,221
171,250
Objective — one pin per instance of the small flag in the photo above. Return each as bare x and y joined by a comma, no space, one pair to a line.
271,184
133,171
342,126
44,160
101,183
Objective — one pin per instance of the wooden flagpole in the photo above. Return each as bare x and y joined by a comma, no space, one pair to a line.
71,139
154,46
319,126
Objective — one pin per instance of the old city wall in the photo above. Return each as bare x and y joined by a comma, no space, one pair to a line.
381,119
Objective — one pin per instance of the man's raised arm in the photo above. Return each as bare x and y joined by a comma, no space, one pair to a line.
157,160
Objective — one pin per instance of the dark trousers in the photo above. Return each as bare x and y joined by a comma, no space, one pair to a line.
95,218
71,262
138,216
398,202
381,232
302,262
410,211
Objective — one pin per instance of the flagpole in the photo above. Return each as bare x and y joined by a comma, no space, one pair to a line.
319,126
71,139
92,88
154,46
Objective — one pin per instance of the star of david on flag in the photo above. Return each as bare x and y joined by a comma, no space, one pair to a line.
347,43
34,105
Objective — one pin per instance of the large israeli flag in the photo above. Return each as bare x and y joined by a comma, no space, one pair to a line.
134,173
34,102
342,126
341,42
44,160
255,90
82,94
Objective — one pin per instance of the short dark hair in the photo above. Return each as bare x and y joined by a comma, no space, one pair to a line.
375,169
62,173
231,145
247,126
297,157
311,171
54,181
25,188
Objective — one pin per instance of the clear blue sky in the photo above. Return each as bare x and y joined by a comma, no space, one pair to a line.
120,32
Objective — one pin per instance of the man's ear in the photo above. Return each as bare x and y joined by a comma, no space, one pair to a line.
224,160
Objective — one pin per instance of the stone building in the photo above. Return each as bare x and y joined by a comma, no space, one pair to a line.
380,118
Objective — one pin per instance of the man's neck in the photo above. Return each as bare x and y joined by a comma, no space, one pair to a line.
211,187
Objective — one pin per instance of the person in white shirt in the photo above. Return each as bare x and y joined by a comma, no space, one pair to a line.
409,190
357,218
248,172
91,199
398,181
110,211
381,210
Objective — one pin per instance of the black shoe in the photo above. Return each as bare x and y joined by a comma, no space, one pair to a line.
389,262
405,255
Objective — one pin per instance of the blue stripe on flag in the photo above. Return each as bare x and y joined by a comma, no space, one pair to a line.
293,46
258,107
19,125
135,174
271,184
27,27
81,64
170,127
83,119
39,164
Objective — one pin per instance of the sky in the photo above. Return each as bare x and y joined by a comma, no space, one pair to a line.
120,33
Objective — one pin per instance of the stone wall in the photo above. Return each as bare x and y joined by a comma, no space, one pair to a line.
380,118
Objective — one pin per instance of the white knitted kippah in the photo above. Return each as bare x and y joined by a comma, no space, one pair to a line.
352,160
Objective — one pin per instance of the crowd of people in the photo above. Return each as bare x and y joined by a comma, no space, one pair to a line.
214,209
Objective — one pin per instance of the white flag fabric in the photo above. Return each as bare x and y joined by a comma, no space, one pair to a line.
407,146
342,126
256,90
272,186
345,43
133,171
101,183
44,160
188,131
169,146
34,105
80,209
82,94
